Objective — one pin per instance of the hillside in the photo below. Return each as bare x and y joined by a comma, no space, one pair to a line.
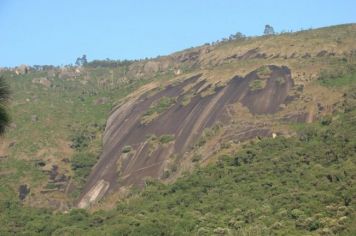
233,92
302,185
252,136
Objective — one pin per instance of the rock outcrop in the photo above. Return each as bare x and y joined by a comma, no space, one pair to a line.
173,130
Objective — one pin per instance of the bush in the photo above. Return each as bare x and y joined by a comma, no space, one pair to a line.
280,80
166,138
196,158
126,149
297,214
257,84
81,140
263,71
82,164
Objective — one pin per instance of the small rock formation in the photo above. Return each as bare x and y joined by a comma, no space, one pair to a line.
24,190
151,67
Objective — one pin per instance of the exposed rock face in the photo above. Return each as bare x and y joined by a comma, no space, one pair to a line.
151,67
183,121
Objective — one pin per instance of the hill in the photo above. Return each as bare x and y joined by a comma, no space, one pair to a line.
231,92
260,128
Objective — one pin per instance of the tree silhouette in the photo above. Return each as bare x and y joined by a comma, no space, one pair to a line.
81,61
268,30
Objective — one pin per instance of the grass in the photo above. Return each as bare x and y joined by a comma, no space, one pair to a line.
257,84
156,108
69,124
186,99
280,80
263,71
337,80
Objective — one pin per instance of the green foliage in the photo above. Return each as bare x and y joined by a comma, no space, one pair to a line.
340,77
268,30
207,134
166,138
68,112
301,185
196,158
82,164
263,71
186,99
81,140
156,108
160,106
126,149
280,80
257,84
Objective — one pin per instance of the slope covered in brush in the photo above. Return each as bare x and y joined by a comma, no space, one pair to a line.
283,186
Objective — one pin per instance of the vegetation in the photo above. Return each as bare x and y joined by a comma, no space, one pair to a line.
283,186
186,99
263,71
280,80
336,78
82,164
157,108
161,105
300,185
257,84
4,96
108,63
166,138
126,149
207,134
81,61
69,124
268,30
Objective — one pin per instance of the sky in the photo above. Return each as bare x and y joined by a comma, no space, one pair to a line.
42,32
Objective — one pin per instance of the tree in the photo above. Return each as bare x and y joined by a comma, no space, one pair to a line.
4,97
81,61
237,35
84,60
268,30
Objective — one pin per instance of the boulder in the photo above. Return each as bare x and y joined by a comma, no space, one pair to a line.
151,67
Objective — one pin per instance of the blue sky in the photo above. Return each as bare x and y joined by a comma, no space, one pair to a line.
58,31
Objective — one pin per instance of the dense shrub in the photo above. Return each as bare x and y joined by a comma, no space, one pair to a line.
82,164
